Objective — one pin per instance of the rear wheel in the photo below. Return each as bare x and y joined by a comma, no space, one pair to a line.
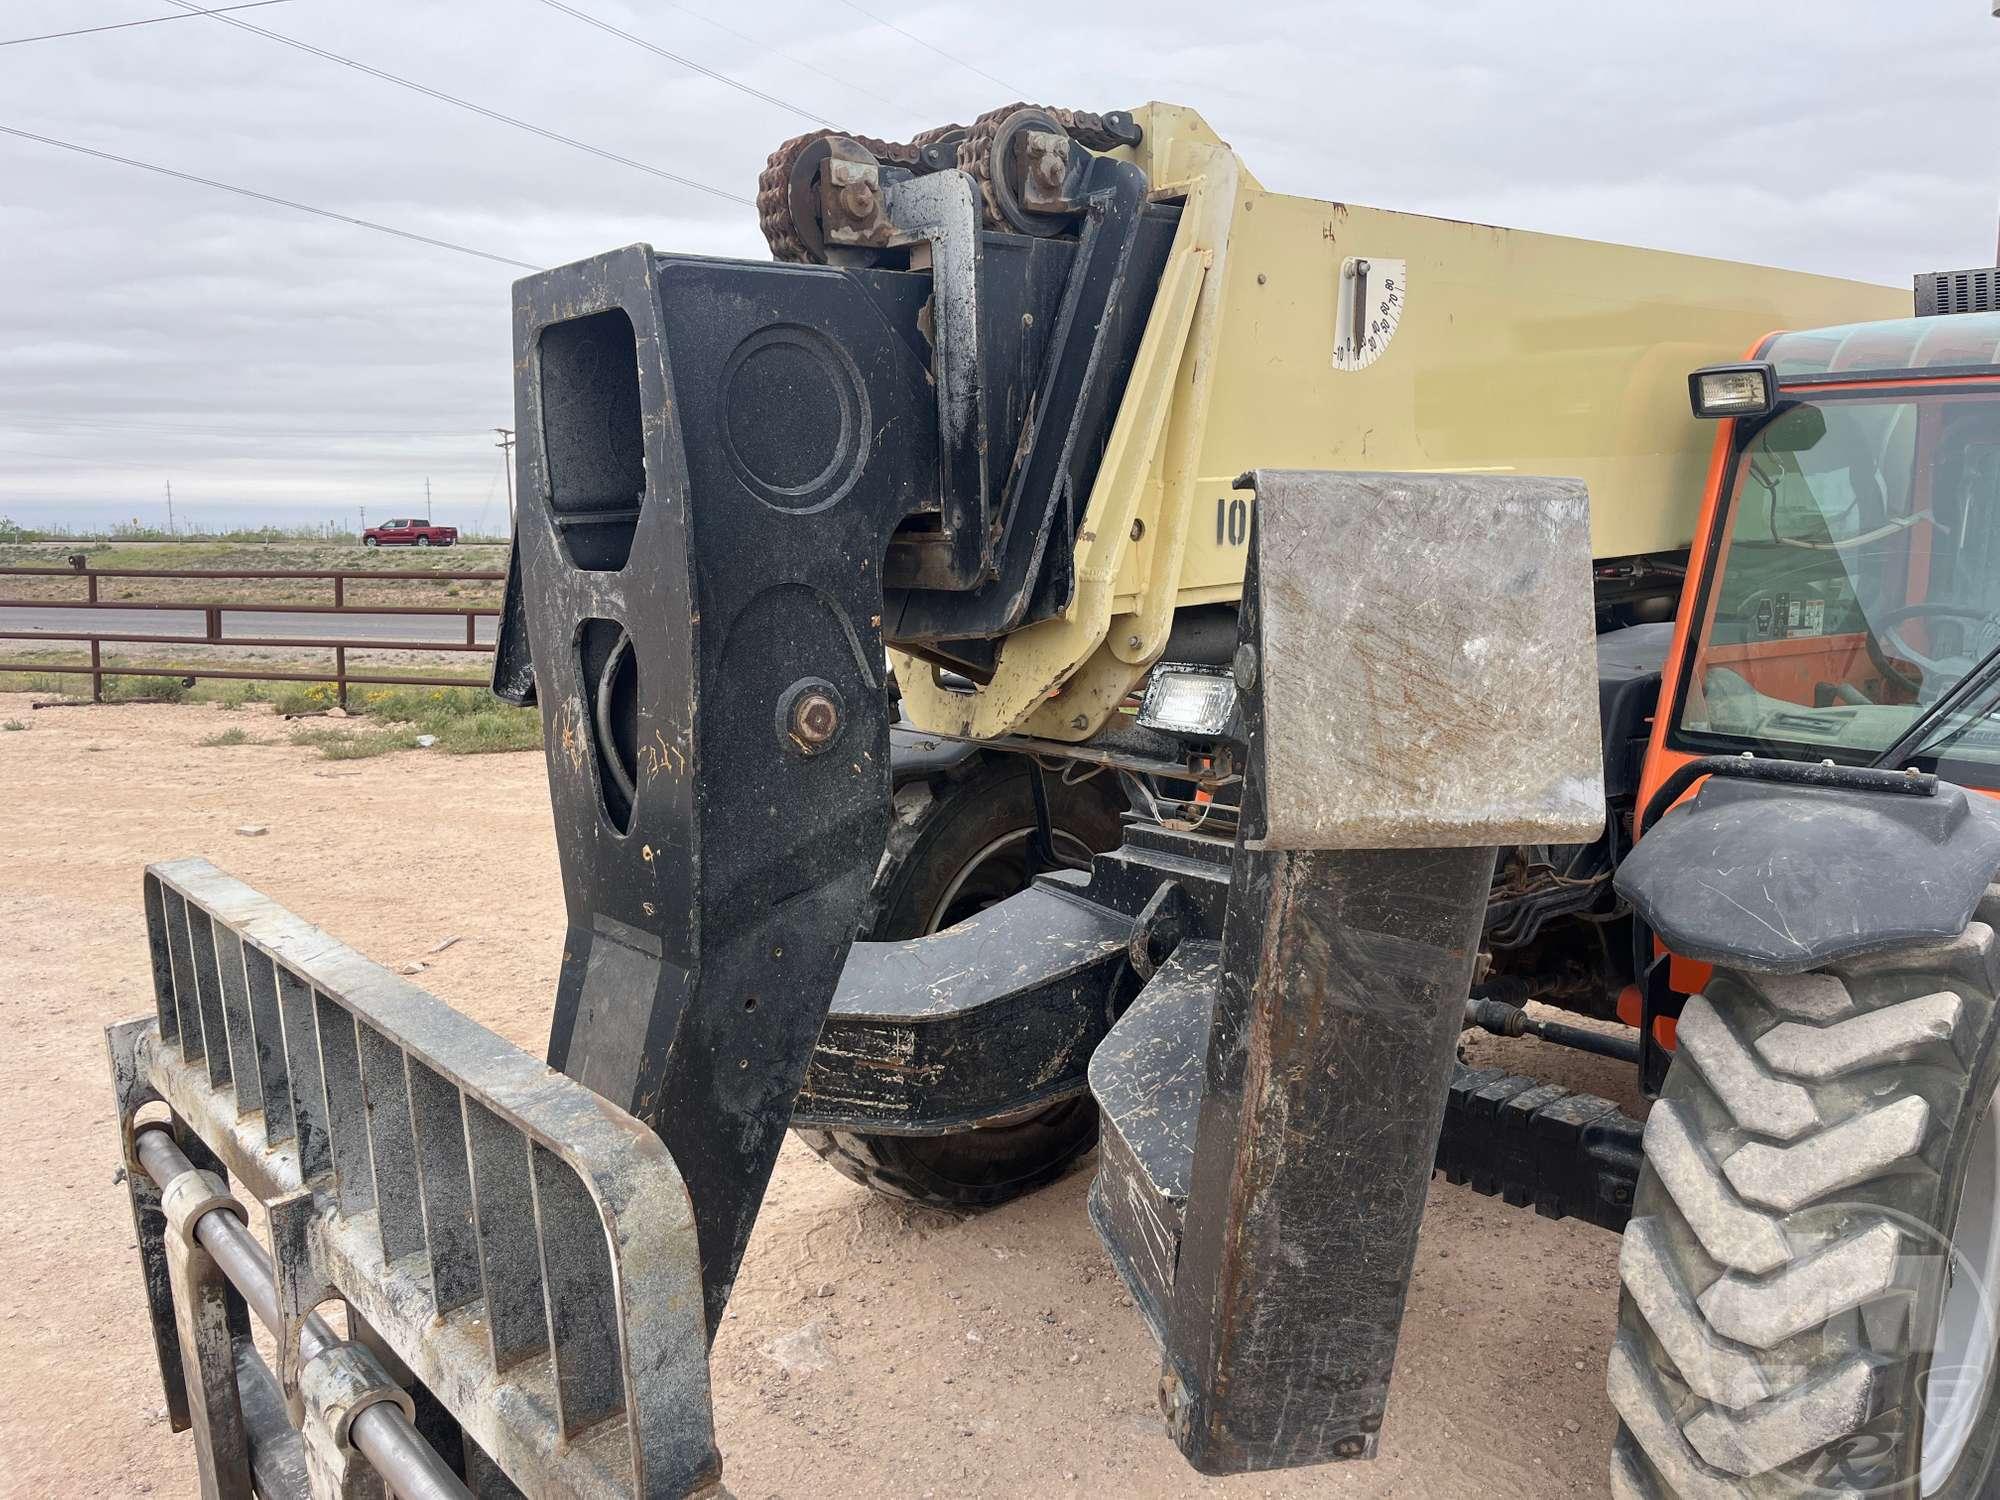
959,846
423,541
1813,1261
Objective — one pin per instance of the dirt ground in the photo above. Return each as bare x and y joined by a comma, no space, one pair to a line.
959,1356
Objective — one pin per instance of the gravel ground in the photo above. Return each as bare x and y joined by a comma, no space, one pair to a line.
991,1355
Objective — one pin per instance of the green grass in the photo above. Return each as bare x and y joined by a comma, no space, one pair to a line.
233,695
74,682
13,724
352,744
461,721
496,729
289,698
228,737
145,690
35,682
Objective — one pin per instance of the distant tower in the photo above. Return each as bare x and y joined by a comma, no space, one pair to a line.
506,447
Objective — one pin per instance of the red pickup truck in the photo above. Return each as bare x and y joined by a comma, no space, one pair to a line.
409,533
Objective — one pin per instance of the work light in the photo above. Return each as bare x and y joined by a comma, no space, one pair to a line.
1733,390
1188,700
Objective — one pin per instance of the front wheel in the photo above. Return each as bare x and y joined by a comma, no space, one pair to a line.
979,1168
960,845
1813,1262
369,541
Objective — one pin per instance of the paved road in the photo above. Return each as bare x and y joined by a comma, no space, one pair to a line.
245,624
74,542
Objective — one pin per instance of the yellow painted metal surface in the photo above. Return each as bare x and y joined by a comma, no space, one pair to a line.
1513,352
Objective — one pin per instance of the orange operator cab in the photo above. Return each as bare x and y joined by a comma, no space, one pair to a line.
1845,572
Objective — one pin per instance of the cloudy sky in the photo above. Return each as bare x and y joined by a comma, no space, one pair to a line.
274,364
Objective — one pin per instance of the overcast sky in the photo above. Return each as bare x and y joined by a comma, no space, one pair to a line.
271,363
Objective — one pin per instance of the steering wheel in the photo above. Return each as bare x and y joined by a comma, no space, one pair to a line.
1886,645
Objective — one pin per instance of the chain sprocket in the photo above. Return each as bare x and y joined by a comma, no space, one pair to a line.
787,207
978,157
787,188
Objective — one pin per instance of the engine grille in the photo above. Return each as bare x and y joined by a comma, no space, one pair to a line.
1942,292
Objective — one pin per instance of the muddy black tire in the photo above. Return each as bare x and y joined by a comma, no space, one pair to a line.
980,1168
1811,1234
958,845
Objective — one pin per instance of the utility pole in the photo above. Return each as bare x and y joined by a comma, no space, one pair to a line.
427,499
170,507
506,447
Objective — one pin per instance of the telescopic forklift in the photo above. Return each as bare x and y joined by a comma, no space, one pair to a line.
1334,535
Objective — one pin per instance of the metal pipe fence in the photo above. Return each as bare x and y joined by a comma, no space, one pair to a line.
215,615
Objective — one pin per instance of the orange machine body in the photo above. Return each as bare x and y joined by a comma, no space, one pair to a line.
1905,355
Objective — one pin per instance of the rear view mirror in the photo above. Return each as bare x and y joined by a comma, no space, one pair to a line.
1793,429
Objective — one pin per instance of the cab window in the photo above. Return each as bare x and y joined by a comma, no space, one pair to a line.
1857,577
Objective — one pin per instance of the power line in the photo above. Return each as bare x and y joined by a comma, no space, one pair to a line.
685,62
78,458
244,192
51,36
48,422
948,57
777,51
467,104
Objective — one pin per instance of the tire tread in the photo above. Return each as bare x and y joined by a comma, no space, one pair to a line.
1765,1259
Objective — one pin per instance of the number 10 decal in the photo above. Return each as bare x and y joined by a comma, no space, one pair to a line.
1232,520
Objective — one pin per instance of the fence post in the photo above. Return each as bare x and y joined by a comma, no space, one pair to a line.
340,673
96,651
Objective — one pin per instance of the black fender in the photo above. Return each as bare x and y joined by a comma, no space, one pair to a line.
914,755
1783,877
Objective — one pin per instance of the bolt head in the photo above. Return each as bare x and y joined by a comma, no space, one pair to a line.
1244,667
815,719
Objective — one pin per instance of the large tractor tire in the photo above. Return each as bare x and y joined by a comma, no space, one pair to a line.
958,845
1812,1268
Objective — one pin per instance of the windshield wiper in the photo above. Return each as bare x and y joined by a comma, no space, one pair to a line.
1966,691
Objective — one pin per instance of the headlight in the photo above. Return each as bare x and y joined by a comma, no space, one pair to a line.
1733,390
1188,700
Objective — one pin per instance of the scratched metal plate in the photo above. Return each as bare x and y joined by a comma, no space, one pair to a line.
1429,677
